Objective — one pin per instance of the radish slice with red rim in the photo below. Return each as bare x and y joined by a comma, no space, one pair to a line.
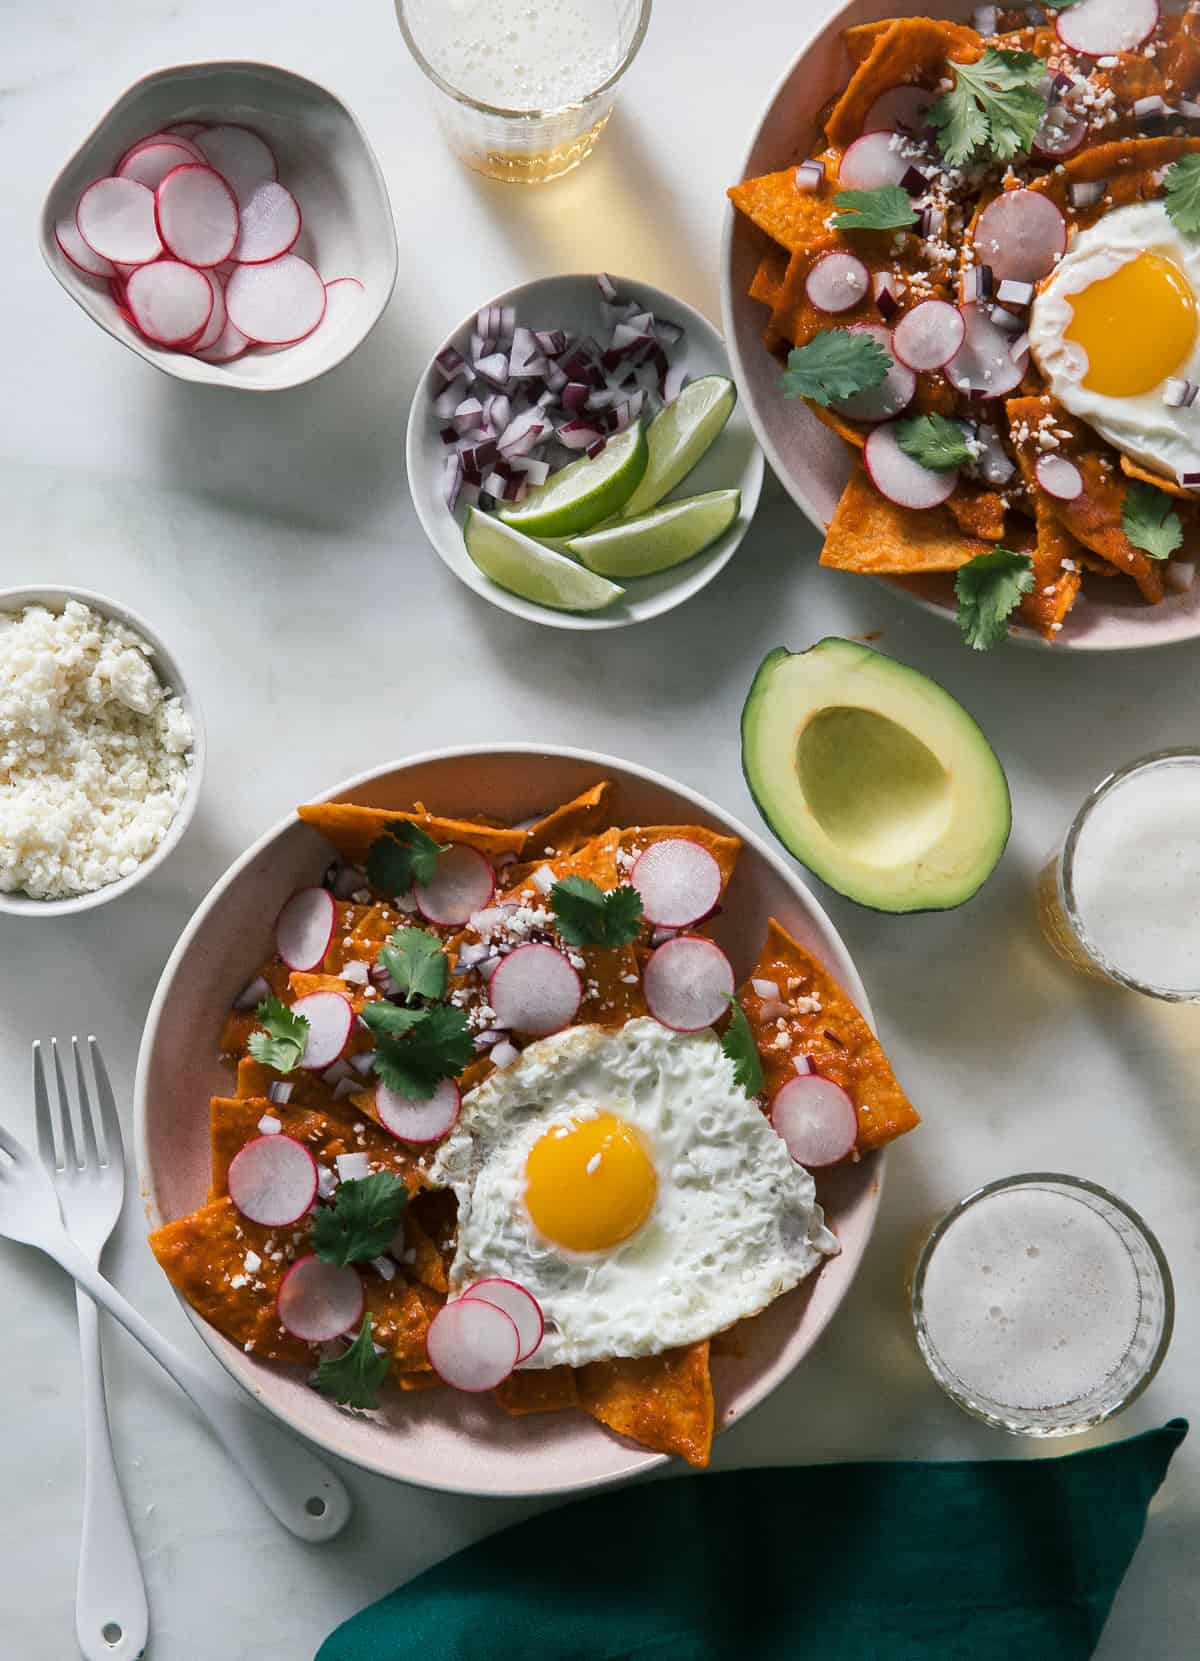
115,217
928,336
688,983
164,137
66,234
901,479
1059,477
521,1307
1060,134
241,157
415,1121
471,1345
171,303
463,883
1019,235
873,161
836,282
270,224
983,366
902,108
186,129
273,1180
151,163
197,215
217,319
330,1022
816,1119
277,303
318,1301
229,344
305,927
893,394
535,991
342,296
679,882
1102,28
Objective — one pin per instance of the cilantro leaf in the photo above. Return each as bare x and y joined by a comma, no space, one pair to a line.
437,1045
836,363
384,1017
587,916
353,1378
886,209
1058,5
416,962
1183,194
362,1221
993,106
1149,520
738,1043
988,588
934,441
403,855
285,1039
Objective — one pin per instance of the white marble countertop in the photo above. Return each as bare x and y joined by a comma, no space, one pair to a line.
241,525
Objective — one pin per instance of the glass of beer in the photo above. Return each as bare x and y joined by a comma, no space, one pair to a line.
523,88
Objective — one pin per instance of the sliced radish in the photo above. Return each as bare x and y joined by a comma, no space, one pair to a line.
893,394
197,215
186,129
305,927
217,319
170,302
837,282
319,1301
521,1307
115,217
472,1345
902,108
816,1118
1101,28
928,336
1060,134
984,365
688,983
229,344
463,883
535,991
273,1180
241,158
277,303
342,296
150,164
410,1120
330,1022
270,224
1020,235
679,882
66,234
873,161
901,479
1059,477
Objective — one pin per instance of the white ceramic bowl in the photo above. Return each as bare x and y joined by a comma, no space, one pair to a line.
574,303
171,676
324,159
440,1438
813,463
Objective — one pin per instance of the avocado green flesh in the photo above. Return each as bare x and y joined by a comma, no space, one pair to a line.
874,777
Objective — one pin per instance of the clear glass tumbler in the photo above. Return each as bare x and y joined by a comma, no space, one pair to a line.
522,89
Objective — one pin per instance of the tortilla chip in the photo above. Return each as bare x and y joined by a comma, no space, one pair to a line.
859,40
833,1034
1055,590
913,49
308,1089
352,829
793,218
325,1131
662,1401
1131,470
768,279
838,424
568,827
1130,167
869,533
978,511
551,1390
724,849
401,1313
422,1260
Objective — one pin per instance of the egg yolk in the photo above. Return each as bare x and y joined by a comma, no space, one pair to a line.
1137,326
590,1183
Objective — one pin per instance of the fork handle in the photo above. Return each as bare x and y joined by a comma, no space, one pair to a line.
110,1594
302,1491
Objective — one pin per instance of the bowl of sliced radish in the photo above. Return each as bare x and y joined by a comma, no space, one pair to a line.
229,223
458,1438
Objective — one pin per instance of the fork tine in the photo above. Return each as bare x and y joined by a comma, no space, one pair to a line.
87,1113
15,1150
41,1101
114,1145
70,1154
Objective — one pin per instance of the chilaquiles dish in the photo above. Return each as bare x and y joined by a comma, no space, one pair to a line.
986,280
502,1120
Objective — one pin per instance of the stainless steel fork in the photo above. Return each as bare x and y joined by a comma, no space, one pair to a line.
111,1614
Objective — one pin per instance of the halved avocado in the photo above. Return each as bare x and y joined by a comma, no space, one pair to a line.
874,777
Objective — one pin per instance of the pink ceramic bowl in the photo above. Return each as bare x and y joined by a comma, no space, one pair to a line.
439,1439
813,463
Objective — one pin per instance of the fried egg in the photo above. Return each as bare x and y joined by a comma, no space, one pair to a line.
1117,318
628,1182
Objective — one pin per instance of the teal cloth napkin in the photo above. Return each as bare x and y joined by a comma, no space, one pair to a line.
1004,1560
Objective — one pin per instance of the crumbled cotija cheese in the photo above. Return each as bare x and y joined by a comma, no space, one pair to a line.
94,752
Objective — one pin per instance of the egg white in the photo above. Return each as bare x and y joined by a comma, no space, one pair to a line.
735,1222
1167,441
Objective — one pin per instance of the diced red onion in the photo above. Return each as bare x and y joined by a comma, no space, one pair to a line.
1189,109
515,488
469,493
494,485
345,884
1006,320
522,433
553,342
885,295
448,399
497,411
361,896
810,176
606,286
766,989
1178,393
448,435
363,1062
504,1054
494,368
537,472
595,448
668,333
1151,114
554,378
1087,192
252,995
508,322
1011,293
677,378
914,181
526,361
1019,348
453,481
449,363
662,935
485,1040
279,1091
575,396
1190,478
487,322
480,456
577,435
985,20
336,1073
978,284
804,1064
1179,575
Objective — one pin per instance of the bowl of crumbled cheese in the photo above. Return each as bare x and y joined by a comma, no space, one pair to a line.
101,751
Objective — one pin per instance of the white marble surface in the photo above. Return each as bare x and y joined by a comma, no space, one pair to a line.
272,540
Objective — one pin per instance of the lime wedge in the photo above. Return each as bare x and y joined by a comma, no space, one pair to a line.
679,435
533,572
584,492
657,540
